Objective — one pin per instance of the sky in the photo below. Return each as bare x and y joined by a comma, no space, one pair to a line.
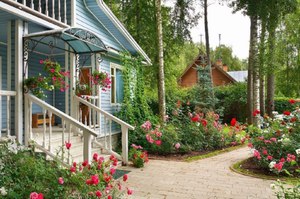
234,29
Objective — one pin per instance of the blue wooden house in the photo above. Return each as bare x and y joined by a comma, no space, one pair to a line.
81,36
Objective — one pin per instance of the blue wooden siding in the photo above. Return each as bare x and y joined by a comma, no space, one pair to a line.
106,95
93,6
87,21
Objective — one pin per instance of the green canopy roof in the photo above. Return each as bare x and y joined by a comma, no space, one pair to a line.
79,40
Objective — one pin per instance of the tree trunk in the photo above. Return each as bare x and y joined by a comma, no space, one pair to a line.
262,94
270,94
161,76
271,76
207,45
251,63
261,67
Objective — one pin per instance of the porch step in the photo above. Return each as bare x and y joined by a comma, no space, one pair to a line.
76,150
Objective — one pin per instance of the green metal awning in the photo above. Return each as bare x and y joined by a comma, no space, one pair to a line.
79,40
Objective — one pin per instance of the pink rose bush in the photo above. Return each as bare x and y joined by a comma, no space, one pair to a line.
138,157
276,145
187,129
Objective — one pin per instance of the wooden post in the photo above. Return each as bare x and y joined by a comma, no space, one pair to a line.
87,146
21,29
125,145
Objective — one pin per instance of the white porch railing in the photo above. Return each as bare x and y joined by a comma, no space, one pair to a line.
49,9
68,125
93,120
5,96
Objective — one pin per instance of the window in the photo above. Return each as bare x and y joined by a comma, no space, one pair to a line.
117,85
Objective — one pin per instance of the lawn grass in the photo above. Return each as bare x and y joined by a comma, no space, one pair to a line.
237,168
213,153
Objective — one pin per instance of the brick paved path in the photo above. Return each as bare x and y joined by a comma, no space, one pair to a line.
209,178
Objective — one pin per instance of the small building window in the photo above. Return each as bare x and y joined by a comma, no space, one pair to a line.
117,84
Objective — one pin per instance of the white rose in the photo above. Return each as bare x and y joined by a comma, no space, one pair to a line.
271,165
3,191
298,151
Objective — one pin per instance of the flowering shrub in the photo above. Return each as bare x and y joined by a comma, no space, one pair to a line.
29,175
277,145
55,79
137,156
186,130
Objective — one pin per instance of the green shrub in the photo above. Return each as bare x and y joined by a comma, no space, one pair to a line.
233,99
282,104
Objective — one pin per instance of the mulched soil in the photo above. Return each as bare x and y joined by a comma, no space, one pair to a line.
252,166
180,156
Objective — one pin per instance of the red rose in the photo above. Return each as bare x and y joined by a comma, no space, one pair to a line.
204,122
233,122
196,118
125,177
68,145
292,101
286,113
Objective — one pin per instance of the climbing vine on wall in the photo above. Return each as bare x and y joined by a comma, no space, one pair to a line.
134,107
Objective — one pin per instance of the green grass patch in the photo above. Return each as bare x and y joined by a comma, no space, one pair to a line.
213,153
238,169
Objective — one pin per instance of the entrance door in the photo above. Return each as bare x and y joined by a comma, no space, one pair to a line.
84,79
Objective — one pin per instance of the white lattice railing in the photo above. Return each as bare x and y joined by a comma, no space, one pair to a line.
50,9
6,100
100,120
69,125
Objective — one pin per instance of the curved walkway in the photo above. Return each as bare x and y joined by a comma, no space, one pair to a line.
209,178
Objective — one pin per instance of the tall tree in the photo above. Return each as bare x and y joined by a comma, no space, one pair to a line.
161,75
184,17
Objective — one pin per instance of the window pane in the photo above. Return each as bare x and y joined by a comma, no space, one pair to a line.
119,86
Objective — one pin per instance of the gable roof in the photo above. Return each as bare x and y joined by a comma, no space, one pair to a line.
199,57
101,11
239,76
224,73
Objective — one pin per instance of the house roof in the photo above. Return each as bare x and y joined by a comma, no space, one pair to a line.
224,72
200,57
101,11
239,76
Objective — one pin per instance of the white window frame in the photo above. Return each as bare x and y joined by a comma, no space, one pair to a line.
114,66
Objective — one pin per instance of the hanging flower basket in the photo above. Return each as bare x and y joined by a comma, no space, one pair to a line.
54,79
101,79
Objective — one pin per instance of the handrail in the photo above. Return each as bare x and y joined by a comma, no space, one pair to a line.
108,115
61,114
8,93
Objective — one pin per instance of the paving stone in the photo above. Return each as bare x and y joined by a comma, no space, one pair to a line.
208,178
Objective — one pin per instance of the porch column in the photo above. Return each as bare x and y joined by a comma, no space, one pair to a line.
20,30
73,77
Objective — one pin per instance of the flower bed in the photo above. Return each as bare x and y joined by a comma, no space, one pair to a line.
185,131
25,174
277,145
